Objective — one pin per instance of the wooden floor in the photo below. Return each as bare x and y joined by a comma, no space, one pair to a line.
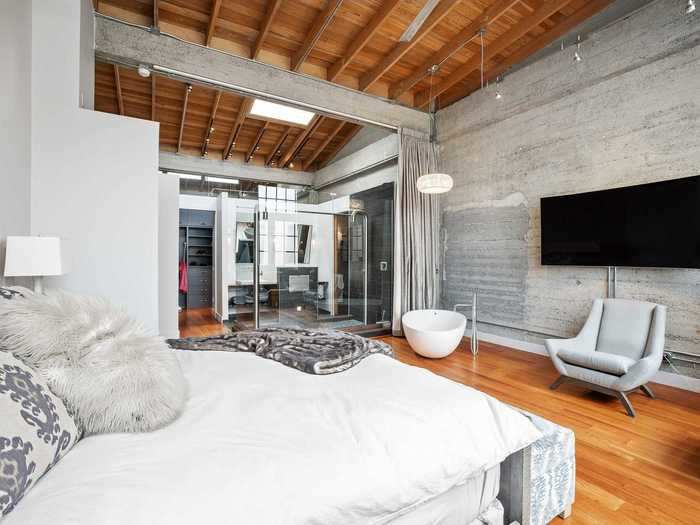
642,470
199,322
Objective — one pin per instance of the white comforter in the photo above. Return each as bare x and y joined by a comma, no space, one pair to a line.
260,443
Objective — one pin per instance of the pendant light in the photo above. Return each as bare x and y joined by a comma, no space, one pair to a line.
690,7
434,183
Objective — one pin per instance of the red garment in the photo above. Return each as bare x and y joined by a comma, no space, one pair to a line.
183,276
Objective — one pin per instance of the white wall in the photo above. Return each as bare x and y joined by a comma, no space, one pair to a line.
168,238
197,202
90,178
15,131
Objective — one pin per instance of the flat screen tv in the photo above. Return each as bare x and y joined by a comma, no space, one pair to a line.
650,225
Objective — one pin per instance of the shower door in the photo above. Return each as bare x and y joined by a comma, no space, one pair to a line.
310,268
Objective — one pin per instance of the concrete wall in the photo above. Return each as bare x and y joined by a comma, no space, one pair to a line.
628,114
15,131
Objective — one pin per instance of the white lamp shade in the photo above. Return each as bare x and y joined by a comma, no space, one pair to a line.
33,256
434,183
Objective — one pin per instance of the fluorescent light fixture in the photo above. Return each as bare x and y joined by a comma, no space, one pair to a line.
222,180
190,177
263,108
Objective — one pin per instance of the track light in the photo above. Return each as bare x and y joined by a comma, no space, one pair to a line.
690,8
499,95
577,53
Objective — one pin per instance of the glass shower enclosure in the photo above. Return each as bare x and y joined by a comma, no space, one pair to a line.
309,263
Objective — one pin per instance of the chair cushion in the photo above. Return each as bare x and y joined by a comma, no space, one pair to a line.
36,430
624,327
609,363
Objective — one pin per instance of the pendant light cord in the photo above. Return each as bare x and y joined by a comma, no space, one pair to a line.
481,36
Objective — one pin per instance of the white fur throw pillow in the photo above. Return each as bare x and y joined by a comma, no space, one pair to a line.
98,360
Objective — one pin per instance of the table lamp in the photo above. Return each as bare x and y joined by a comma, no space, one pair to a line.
33,257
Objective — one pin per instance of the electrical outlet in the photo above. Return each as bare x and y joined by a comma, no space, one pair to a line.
383,266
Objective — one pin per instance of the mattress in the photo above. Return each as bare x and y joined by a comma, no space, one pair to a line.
260,443
460,505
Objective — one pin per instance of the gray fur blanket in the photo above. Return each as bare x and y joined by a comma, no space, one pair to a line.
311,351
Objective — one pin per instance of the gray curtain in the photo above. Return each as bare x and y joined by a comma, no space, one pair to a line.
417,227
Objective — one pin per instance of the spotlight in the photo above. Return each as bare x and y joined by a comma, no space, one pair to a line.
690,8
291,164
499,95
144,71
577,53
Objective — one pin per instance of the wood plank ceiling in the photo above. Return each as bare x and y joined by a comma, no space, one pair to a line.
370,45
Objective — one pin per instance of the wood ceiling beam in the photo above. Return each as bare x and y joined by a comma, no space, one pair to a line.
210,125
153,97
317,28
466,35
237,125
278,145
256,143
188,90
323,146
156,18
360,41
215,7
294,149
118,89
527,24
401,48
272,8
340,146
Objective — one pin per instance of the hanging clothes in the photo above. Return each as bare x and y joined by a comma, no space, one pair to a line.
183,276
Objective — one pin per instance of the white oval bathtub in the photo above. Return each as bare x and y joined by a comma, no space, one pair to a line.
433,333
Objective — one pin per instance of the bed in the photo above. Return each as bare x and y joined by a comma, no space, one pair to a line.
260,443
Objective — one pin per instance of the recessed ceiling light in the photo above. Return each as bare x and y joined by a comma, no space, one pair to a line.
263,108
190,177
222,180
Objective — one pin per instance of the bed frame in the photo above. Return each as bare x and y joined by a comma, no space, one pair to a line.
538,482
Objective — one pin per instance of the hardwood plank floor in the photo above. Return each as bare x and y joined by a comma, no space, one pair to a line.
641,470
199,322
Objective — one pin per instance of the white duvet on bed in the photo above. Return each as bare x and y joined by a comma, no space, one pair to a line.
260,443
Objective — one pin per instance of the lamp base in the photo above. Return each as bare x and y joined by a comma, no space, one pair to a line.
38,285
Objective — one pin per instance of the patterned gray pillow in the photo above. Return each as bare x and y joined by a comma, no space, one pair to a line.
36,430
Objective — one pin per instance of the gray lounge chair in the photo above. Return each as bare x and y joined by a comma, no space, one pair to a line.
618,350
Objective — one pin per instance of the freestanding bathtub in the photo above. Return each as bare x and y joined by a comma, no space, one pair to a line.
434,333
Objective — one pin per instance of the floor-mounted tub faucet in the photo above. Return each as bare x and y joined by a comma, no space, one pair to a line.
475,333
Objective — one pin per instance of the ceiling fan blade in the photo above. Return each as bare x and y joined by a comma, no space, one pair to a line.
418,21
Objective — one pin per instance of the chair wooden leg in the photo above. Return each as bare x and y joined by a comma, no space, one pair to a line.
648,391
626,403
558,382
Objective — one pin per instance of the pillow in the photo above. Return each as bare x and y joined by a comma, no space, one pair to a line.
36,430
113,376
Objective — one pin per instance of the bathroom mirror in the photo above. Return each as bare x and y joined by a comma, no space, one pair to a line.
245,242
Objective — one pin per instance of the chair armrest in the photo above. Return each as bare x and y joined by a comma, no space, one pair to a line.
554,346
641,372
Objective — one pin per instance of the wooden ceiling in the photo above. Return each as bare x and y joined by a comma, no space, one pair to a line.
356,43
202,121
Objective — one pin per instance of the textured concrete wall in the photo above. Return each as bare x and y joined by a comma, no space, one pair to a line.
628,114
